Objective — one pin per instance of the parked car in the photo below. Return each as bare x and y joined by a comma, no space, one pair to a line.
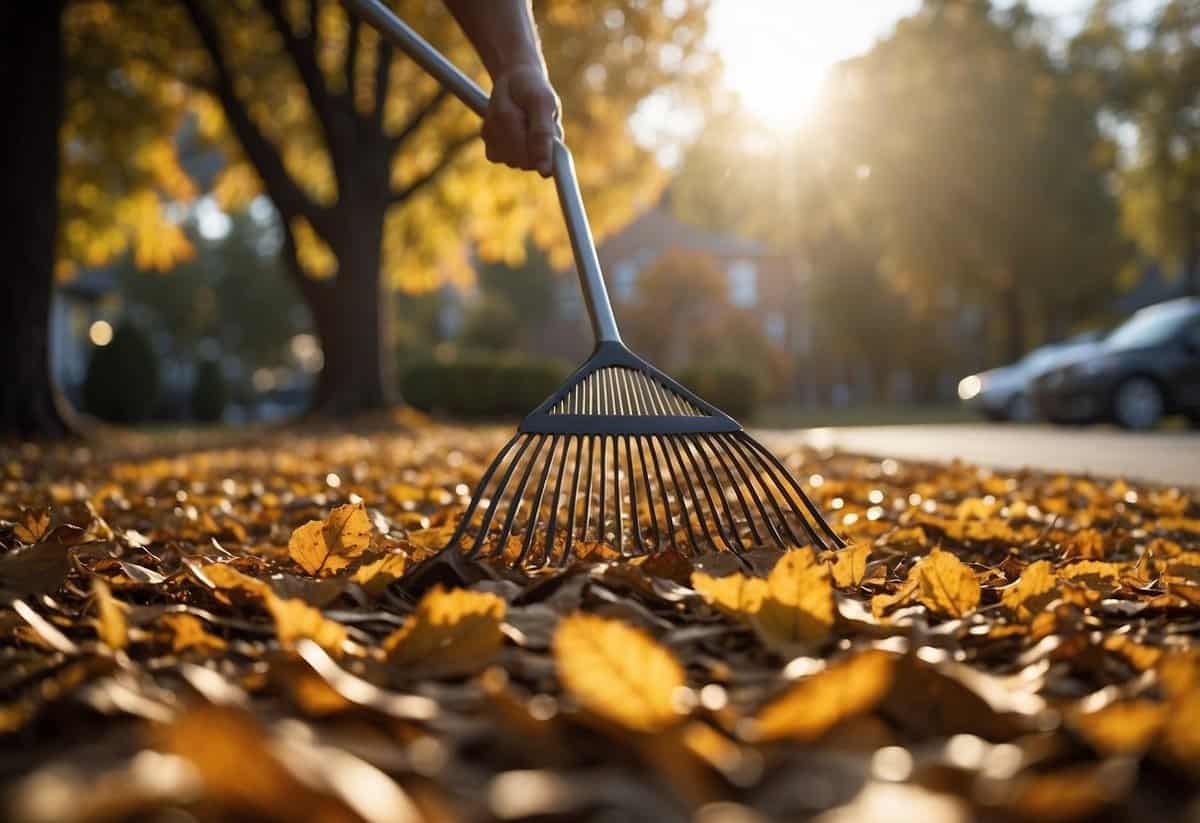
1147,368
1004,393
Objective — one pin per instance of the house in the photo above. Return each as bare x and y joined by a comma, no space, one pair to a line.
758,278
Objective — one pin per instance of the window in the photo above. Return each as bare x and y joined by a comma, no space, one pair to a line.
743,283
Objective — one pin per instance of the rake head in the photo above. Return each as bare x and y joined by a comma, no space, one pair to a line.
626,456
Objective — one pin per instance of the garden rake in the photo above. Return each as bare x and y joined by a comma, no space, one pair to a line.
621,454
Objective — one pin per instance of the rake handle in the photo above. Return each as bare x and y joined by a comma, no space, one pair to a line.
400,34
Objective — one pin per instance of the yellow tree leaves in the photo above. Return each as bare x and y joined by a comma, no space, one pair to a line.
111,626
792,608
946,585
1036,586
456,630
816,704
327,546
618,672
188,632
295,620
850,565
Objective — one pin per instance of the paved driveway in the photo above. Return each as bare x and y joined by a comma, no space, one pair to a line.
1166,457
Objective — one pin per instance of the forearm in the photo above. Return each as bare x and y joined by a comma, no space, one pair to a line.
502,31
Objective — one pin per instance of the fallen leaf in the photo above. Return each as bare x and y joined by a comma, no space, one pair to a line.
1096,576
619,672
1036,587
735,595
819,702
296,620
32,526
328,546
224,576
377,575
454,631
1125,727
37,569
188,632
798,607
850,565
946,585
111,626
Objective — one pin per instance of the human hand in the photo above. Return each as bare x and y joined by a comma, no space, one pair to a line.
522,120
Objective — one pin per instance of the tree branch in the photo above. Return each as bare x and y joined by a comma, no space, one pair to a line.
450,155
350,66
289,198
420,116
383,78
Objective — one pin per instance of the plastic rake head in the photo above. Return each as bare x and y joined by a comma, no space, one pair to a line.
624,455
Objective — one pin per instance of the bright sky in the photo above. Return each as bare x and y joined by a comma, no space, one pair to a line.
777,52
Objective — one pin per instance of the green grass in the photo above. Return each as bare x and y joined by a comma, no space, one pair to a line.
805,417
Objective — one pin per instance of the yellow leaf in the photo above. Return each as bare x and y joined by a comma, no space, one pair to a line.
224,576
1102,578
1180,738
881,603
296,620
946,585
1127,727
453,631
325,547
798,607
818,703
735,595
1032,592
377,575
850,565
33,526
110,616
619,672
188,632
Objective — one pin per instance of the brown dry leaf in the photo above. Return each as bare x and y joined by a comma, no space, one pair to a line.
1180,739
32,526
188,632
377,575
1127,727
325,547
452,631
295,620
850,565
224,576
946,585
1036,587
619,672
882,603
111,626
735,595
818,703
798,607
36,569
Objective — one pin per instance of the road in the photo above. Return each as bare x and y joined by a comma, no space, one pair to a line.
1166,457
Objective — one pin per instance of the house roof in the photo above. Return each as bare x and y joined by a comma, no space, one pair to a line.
658,230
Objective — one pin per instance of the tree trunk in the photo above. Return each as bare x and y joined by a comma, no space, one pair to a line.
350,321
31,97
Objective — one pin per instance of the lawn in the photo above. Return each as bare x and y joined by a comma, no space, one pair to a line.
231,626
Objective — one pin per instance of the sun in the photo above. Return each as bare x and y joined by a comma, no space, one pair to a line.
777,53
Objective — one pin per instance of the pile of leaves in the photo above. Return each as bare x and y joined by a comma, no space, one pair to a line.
240,632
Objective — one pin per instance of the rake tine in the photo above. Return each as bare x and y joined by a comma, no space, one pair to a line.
719,488
497,495
679,492
732,544
570,542
518,497
808,504
816,539
481,489
756,468
751,490
697,505
618,501
531,523
587,496
637,524
658,536
603,488
666,498
548,550
737,490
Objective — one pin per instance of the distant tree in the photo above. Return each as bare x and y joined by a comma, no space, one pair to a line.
677,306
122,381
1153,83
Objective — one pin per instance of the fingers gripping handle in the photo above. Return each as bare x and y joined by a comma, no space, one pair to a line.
395,30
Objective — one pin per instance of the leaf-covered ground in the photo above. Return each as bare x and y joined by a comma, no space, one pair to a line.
236,632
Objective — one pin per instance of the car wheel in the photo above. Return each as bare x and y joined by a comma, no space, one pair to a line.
1020,409
1138,403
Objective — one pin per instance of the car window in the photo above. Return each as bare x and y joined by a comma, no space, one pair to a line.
1151,327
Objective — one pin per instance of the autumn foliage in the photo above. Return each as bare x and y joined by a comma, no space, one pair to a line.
250,630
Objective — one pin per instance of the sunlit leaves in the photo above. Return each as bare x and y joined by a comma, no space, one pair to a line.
296,620
188,632
111,626
456,630
1032,591
619,672
325,547
946,585
797,609
850,565
819,702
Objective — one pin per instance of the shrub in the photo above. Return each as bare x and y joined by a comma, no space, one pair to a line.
209,393
482,384
491,323
121,384
736,392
